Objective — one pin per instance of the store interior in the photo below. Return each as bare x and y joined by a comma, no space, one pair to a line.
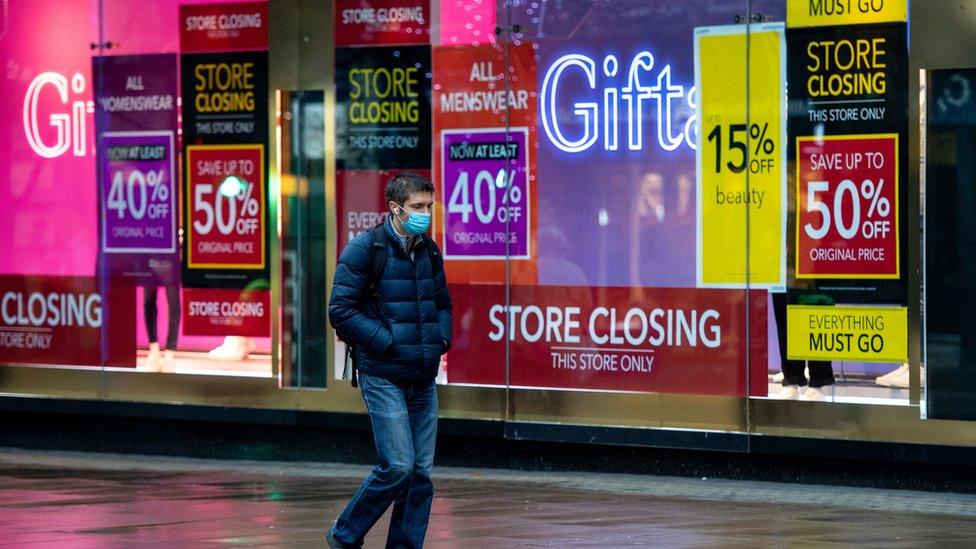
200,355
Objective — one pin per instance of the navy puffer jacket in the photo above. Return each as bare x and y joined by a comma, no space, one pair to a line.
401,330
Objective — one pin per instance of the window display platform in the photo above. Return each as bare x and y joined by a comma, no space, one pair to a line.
851,390
197,362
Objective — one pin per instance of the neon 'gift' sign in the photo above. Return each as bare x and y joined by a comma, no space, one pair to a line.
641,90
69,124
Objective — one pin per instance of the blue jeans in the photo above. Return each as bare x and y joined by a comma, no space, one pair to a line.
404,418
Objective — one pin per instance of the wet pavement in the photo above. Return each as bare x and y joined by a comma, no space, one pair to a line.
74,500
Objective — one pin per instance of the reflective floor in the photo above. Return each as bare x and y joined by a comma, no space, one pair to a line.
94,500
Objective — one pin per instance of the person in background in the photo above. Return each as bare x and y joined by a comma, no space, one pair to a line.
167,276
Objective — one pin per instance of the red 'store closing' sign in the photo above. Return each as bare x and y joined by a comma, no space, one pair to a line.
672,340
224,27
226,312
382,22
58,320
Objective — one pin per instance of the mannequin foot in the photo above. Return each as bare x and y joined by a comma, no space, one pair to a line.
154,361
169,362
233,348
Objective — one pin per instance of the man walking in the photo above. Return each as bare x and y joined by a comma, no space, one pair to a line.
390,303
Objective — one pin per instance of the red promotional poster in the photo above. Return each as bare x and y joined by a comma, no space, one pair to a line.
484,154
470,88
58,320
224,27
671,340
225,195
211,312
847,214
382,22
361,201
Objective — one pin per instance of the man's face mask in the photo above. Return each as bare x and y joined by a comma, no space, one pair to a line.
416,223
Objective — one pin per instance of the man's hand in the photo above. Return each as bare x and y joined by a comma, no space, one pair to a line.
442,371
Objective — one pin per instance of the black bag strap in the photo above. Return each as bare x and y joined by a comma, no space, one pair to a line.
377,258
436,259
377,262
349,365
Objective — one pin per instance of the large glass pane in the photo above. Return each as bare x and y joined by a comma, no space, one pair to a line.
102,266
842,324
304,351
950,213
608,318
53,310
940,46
203,303
482,180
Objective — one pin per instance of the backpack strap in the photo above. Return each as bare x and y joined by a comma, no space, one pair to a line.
377,262
436,259
349,365
377,257
378,254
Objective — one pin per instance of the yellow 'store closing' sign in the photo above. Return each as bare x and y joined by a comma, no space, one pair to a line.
868,334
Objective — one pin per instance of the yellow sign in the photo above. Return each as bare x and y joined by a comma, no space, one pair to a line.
820,13
741,156
867,334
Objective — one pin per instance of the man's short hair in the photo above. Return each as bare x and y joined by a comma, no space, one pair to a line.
405,184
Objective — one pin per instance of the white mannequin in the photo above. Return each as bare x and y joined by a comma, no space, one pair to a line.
232,349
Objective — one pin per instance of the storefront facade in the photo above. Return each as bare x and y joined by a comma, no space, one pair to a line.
651,212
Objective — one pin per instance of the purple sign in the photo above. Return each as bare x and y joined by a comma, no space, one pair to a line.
139,202
486,193
135,92
135,113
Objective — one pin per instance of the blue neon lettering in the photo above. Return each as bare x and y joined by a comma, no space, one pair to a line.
669,98
589,111
664,136
635,121
610,106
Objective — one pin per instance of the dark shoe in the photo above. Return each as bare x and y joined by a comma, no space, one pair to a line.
332,541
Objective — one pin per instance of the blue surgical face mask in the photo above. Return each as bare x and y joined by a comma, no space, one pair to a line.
416,223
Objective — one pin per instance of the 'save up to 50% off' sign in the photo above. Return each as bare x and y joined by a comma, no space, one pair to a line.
226,201
847,192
